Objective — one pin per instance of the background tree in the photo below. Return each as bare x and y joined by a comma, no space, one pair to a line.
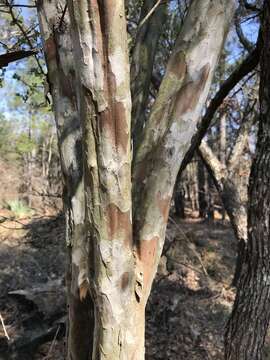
249,321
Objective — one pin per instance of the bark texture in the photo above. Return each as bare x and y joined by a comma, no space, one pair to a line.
55,31
171,125
118,243
247,327
248,65
99,35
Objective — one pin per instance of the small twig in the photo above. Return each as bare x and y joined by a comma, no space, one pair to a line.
3,325
149,14
62,17
187,266
53,343
24,33
21,6
191,248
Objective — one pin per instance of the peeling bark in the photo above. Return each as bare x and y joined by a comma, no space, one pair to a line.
61,77
113,259
174,117
99,35
248,65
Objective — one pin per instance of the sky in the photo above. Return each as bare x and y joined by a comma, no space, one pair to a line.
250,29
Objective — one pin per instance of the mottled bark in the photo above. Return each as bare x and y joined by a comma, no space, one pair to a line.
55,31
247,327
171,125
101,54
116,260
248,65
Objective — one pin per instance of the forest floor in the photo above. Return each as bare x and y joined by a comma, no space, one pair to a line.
186,313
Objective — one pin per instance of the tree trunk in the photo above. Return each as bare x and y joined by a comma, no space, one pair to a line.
247,327
116,248
179,200
202,191
222,148
55,31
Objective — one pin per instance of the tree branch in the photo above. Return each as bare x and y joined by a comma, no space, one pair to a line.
248,45
217,168
238,74
241,139
173,119
24,33
9,57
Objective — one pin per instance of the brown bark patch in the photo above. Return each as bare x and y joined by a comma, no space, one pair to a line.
119,223
178,65
124,280
114,122
147,256
121,129
188,96
163,205
50,49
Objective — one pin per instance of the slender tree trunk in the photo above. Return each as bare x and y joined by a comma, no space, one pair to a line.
233,192
222,149
55,31
248,324
202,191
179,200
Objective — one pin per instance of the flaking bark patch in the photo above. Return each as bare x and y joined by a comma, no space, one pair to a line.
119,222
178,65
114,122
188,96
50,48
147,255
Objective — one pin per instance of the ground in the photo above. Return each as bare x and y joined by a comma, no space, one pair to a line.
187,311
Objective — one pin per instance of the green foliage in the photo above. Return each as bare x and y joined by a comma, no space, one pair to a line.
6,137
19,208
24,144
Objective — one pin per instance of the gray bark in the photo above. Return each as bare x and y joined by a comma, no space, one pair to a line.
55,31
248,324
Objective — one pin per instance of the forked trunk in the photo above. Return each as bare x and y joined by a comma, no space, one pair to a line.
116,248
